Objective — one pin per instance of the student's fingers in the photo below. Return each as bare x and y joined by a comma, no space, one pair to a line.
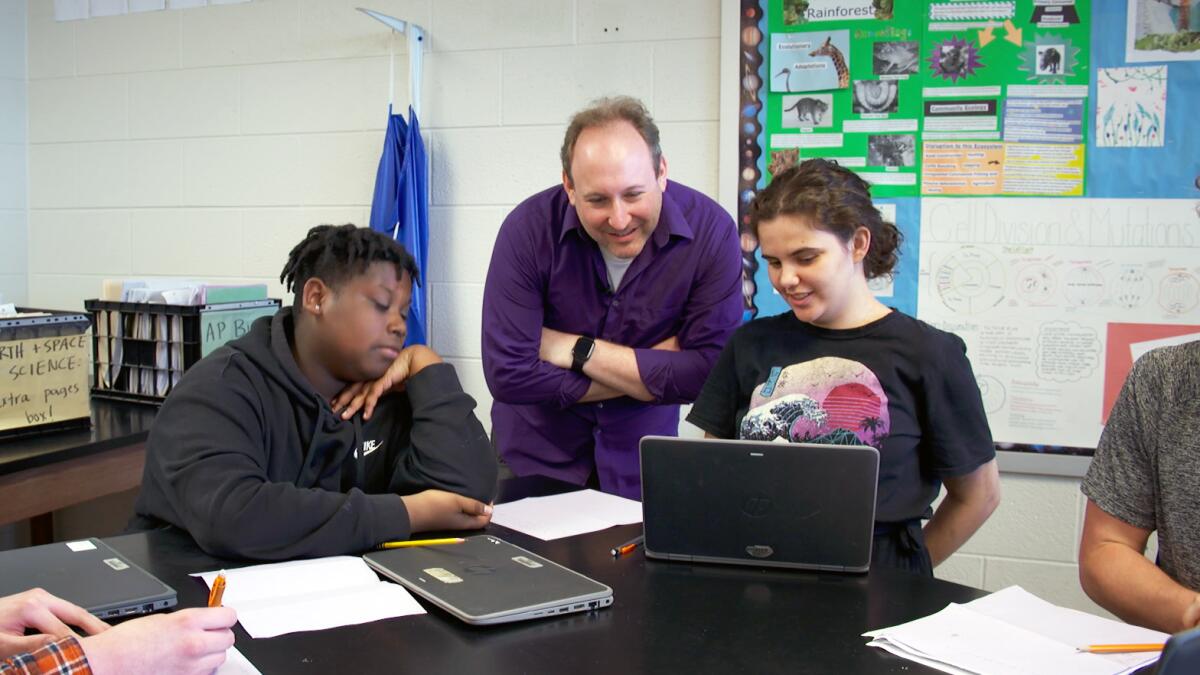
208,618
344,401
373,393
213,641
76,616
472,507
41,619
469,522
209,663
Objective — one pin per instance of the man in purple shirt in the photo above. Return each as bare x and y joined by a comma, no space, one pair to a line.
606,304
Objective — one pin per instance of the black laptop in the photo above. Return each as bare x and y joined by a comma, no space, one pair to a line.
797,505
88,573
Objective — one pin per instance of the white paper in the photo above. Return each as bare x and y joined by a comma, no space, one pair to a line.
236,664
1014,632
302,595
78,546
1138,349
568,514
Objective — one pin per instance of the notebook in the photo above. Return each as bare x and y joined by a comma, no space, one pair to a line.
486,580
797,505
88,573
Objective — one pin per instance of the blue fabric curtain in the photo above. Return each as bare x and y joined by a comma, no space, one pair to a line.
400,207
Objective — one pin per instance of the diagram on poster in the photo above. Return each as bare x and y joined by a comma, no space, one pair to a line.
1035,287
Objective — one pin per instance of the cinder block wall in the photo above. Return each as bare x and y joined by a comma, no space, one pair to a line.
14,106
205,142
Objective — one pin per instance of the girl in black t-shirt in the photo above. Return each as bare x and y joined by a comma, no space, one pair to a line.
843,368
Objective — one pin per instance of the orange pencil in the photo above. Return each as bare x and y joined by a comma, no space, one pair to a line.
627,547
218,591
1122,649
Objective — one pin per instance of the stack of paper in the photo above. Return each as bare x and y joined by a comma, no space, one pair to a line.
1014,632
567,514
310,595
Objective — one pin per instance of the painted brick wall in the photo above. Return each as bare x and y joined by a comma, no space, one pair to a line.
13,153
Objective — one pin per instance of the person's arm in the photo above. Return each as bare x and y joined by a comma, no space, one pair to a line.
187,642
969,501
613,368
957,446
63,656
673,370
45,616
1115,573
513,316
712,312
715,410
208,457
449,469
449,448
1122,488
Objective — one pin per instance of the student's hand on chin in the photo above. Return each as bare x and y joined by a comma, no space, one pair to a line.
441,510
364,395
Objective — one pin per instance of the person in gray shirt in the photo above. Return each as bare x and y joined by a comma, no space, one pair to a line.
1145,478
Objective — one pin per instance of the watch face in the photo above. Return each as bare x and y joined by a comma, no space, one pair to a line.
582,351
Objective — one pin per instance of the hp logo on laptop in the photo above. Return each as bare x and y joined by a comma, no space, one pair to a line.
757,505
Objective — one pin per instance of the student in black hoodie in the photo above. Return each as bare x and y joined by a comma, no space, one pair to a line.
250,456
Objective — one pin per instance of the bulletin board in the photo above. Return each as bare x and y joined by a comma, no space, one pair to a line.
1037,156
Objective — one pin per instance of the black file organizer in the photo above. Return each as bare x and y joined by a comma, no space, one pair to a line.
126,355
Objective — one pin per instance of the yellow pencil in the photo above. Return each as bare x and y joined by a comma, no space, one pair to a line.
421,542
1121,649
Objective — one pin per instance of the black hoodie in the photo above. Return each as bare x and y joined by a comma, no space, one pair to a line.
248,458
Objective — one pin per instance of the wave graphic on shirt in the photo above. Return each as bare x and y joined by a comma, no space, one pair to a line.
826,400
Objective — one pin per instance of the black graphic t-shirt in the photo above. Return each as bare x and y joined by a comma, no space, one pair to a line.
896,384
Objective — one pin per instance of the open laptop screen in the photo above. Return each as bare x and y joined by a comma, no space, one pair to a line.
806,506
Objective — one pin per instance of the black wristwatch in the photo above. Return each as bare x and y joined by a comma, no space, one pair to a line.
581,352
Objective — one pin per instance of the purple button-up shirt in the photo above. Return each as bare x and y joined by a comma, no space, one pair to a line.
547,271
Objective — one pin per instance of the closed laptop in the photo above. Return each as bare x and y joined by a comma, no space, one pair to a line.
798,505
88,573
486,580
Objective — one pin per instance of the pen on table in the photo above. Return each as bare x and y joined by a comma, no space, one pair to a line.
421,542
1122,649
627,546
217,591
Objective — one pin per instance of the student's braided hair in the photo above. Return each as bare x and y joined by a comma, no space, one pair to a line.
334,253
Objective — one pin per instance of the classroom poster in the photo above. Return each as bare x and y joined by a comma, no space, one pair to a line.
1005,86
1162,31
1131,107
843,84
1037,288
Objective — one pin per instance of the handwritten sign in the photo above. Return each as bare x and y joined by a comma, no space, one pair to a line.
45,380
219,327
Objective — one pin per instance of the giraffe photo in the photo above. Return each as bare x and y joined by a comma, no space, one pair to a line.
816,61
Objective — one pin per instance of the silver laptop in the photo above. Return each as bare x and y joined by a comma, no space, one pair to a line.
88,573
486,580
799,505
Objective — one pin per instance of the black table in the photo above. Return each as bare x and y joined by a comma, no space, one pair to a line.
666,617
43,472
